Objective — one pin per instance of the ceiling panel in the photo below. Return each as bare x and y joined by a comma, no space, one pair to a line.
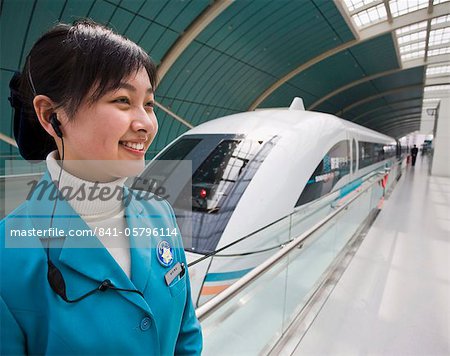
388,108
339,70
247,48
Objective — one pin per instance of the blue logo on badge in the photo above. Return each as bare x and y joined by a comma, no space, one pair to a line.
165,253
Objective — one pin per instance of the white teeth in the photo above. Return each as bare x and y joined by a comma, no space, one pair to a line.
135,146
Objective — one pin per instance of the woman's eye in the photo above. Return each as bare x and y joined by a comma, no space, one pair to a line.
122,100
150,104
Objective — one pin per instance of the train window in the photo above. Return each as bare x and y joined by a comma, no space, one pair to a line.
223,165
370,153
218,185
334,165
379,153
212,181
179,150
390,151
163,167
366,154
354,155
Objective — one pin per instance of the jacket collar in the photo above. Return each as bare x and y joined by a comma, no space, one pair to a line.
140,244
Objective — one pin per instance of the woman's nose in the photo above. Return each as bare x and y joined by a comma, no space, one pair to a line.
145,122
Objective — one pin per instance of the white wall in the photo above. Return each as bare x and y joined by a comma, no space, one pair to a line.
427,121
441,156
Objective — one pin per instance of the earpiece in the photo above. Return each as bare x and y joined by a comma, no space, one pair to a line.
56,124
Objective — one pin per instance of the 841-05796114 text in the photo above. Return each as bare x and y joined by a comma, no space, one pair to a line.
100,232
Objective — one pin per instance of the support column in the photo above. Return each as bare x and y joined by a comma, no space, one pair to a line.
441,156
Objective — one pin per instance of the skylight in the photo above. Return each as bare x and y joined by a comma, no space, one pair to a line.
437,87
435,2
438,51
440,19
401,7
445,69
353,5
439,36
412,37
413,55
412,47
411,28
370,16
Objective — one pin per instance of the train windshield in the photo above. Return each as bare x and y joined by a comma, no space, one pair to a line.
215,177
179,150
222,167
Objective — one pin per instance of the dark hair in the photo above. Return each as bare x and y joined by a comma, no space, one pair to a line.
65,64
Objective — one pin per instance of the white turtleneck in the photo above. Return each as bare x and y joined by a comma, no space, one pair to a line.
98,213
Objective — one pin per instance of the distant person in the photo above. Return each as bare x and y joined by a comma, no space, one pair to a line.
414,152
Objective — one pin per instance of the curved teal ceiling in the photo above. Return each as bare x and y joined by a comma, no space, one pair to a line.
247,47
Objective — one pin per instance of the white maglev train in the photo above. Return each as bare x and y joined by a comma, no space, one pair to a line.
250,170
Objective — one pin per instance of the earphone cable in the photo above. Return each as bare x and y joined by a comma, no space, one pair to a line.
57,196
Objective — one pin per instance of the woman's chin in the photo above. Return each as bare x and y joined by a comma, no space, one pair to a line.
124,167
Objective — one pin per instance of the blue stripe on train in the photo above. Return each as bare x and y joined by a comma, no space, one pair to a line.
223,276
350,187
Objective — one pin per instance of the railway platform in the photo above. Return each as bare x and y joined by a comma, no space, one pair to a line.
394,297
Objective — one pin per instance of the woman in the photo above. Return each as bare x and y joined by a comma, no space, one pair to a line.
84,102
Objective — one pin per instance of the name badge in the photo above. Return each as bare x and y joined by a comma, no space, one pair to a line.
177,270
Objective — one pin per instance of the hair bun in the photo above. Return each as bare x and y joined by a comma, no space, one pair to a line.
14,99
33,141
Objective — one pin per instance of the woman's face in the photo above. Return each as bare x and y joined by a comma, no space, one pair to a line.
119,126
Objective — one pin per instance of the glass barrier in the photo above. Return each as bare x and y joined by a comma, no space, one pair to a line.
14,165
254,319
227,266
231,262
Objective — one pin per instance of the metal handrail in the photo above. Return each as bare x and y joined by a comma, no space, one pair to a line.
206,309
21,175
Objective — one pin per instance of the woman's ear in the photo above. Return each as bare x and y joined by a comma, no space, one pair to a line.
44,108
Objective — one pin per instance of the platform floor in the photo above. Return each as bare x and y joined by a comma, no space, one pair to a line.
394,297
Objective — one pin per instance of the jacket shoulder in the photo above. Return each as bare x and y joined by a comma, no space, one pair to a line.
21,210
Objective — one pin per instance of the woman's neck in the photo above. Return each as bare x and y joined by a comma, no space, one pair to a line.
88,198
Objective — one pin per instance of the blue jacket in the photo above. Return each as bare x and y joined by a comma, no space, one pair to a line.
35,320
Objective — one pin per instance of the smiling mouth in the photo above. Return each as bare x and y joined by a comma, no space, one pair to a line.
137,147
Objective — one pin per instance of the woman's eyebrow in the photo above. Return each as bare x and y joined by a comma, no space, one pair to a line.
133,88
